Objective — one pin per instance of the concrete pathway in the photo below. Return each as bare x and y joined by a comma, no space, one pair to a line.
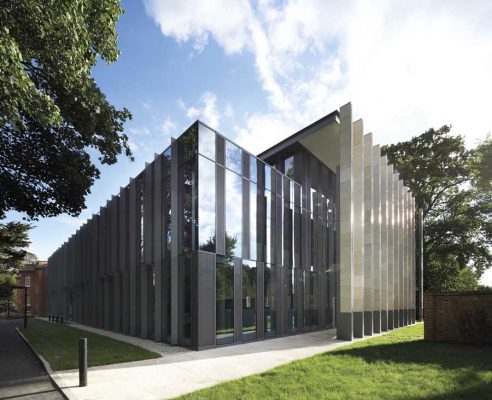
21,374
177,374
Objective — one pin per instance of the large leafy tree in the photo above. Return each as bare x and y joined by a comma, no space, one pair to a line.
53,115
452,186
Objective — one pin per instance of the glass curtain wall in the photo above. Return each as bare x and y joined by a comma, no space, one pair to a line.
166,243
249,280
224,300
270,301
187,193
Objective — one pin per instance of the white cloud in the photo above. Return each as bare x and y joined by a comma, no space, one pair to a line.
139,131
406,66
146,105
73,221
133,146
263,131
168,126
229,111
207,110
186,20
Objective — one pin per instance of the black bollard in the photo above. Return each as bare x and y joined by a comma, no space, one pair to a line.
82,362
61,319
56,318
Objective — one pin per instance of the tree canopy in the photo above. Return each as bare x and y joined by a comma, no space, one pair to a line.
7,282
13,241
452,185
52,113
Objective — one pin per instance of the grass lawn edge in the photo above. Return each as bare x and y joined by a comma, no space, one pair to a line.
59,348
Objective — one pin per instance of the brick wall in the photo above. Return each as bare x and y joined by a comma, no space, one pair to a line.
458,317
37,291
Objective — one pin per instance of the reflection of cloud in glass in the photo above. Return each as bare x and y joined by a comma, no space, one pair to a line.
268,178
206,200
268,243
252,211
233,197
233,157
206,142
253,169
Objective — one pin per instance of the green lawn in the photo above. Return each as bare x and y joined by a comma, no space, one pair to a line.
58,344
399,365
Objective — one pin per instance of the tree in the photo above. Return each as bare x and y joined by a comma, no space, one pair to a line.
13,240
452,185
7,282
53,115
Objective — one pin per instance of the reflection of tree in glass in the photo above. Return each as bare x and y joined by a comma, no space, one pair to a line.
225,281
188,148
249,281
230,243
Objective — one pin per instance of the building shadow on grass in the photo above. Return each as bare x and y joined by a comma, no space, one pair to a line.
468,361
480,391
447,356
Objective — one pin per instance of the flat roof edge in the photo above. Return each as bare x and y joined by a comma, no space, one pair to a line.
322,122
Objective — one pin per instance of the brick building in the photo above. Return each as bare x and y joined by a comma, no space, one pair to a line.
35,277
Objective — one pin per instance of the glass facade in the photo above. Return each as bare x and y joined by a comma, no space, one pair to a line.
187,160
224,296
206,204
289,167
253,216
233,213
249,278
249,213
270,301
248,252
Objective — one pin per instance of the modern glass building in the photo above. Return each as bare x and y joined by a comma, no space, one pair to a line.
212,246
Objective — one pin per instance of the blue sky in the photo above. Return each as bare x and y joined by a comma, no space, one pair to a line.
258,71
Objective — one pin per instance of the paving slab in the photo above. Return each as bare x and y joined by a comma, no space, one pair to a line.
184,372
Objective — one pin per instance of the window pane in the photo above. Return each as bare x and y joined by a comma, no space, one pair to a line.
314,300
289,167
233,212
252,223
233,157
187,144
291,301
189,212
206,205
142,205
249,300
270,309
166,163
287,234
224,300
268,178
253,171
206,142
268,239
306,287
27,281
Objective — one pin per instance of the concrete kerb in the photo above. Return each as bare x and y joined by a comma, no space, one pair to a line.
51,374
191,378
